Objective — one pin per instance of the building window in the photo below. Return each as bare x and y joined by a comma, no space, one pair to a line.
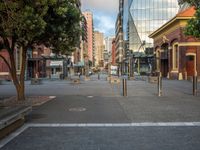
190,58
175,56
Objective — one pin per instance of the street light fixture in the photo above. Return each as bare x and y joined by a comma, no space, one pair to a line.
142,44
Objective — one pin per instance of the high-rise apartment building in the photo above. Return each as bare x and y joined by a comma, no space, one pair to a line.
90,35
119,43
119,34
113,62
99,48
108,49
108,43
84,40
142,17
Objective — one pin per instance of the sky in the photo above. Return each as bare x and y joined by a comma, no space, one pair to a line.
104,14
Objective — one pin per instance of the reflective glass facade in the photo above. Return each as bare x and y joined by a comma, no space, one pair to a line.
142,17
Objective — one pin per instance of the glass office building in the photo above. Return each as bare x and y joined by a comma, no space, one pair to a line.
142,17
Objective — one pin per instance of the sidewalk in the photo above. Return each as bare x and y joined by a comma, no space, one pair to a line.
102,88
93,115
13,113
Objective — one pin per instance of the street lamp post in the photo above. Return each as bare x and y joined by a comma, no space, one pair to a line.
142,44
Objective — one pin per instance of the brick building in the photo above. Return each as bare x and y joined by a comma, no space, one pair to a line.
38,62
177,55
4,71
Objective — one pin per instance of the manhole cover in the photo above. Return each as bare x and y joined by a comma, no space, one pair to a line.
77,109
52,97
90,96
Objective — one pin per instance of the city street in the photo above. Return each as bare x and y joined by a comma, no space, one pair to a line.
100,75
93,115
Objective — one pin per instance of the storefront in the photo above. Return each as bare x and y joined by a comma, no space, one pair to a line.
56,67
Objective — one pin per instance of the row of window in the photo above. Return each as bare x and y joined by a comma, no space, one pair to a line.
151,14
142,17
154,4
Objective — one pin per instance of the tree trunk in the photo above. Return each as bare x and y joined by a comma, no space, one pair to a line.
22,74
18,82
20,92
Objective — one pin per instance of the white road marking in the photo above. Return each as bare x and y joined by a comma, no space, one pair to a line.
143,124
13,135
83,125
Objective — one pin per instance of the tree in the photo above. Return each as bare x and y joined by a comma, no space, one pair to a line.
63,26
25,23
195,3
193,26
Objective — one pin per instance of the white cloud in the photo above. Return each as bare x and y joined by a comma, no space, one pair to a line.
104,13
105,24
101,5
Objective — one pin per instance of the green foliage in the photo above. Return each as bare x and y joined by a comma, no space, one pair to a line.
22,20
41,21
25,23
195,3
193,27
63,26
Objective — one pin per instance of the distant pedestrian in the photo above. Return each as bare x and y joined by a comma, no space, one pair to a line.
79,74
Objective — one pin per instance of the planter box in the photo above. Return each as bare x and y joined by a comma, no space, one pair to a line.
153,79
12,118
115,80
131,78
35,81
75,81
108,78
87,78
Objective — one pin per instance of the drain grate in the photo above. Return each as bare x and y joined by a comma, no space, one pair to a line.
77,109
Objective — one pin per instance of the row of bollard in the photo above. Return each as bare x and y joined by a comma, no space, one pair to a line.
124,86
195,81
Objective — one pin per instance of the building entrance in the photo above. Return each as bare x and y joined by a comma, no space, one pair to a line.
190,65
